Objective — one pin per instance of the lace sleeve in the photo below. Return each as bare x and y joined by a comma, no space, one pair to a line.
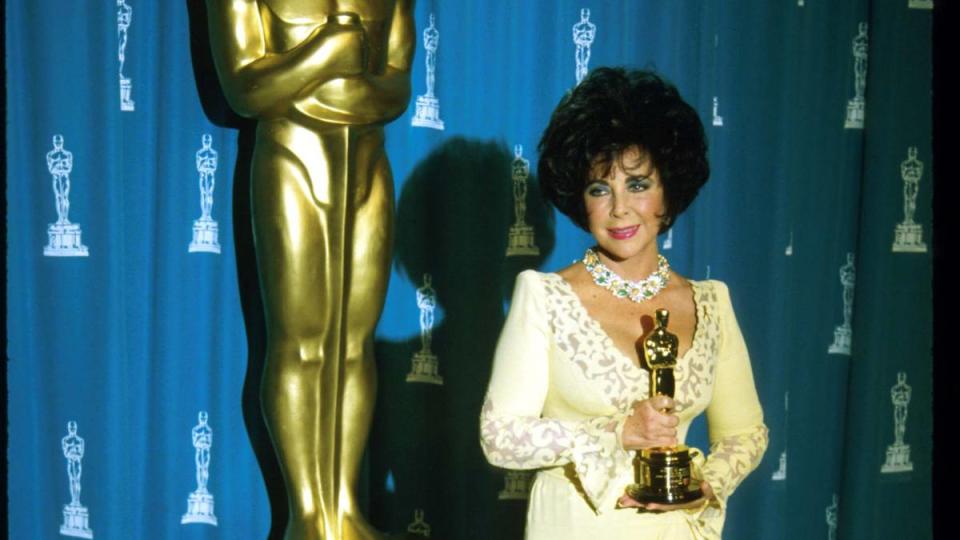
738,437
514,435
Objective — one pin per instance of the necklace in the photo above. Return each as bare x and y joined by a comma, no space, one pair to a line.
638,291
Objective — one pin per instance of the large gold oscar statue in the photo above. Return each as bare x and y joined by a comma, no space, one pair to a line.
322,77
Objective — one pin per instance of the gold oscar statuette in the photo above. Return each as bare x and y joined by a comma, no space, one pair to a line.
321,78
663,475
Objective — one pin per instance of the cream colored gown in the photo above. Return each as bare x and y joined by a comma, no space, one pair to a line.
559,394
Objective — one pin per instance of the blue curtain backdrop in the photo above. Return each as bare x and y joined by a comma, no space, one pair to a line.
134,338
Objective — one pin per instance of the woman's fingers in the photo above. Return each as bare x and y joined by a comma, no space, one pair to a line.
707,490
656,420
660,432
667,507
625,501
648,426
659,403
636,441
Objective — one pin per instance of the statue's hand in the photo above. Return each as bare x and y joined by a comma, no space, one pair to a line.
341,48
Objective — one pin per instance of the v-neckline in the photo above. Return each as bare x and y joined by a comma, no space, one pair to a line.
599,330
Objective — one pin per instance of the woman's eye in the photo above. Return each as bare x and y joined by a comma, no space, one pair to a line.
596,190
637,185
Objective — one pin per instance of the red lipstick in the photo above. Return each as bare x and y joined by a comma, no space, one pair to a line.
623,233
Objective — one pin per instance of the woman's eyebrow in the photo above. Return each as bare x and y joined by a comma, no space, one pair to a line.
599,181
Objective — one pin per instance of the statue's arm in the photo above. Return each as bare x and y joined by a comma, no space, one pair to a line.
402,38
395,80
369,97
258,82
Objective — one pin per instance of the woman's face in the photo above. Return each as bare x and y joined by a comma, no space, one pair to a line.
624,207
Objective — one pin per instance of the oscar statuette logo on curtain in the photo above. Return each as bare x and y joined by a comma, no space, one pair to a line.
124,18
200,502
584,32
832,513
780,474
717,119
205,228
908,235
419,525
843,334
428,105
63,236
898,453
856,107
521,235
425,365
76,517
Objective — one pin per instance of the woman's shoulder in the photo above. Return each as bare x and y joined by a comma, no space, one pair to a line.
571,274
712,292
535,290
556,284
531,276
710,286
530,281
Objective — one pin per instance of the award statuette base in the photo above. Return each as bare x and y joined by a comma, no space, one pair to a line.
842,337
76,521
908,238
65,241
665,476
425,369
428,113
521,241
205,234
199,509
898,459
855,114
516,486
126,89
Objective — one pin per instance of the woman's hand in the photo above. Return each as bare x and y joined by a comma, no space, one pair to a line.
626,501
651,424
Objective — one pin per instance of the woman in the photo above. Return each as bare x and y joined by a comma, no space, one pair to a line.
622,157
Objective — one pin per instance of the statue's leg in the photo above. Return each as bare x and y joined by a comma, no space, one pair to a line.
75,471
56,194
300,248
204,195
369,275
62,189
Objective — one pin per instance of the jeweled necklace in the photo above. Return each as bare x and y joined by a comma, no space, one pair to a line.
638,291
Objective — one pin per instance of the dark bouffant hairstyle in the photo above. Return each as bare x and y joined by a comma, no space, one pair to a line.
613,109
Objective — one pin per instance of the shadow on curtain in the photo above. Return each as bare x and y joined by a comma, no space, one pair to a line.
454,215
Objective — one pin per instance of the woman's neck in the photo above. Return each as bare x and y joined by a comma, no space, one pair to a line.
635,268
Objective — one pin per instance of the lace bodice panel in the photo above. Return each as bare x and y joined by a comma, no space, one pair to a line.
560,390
